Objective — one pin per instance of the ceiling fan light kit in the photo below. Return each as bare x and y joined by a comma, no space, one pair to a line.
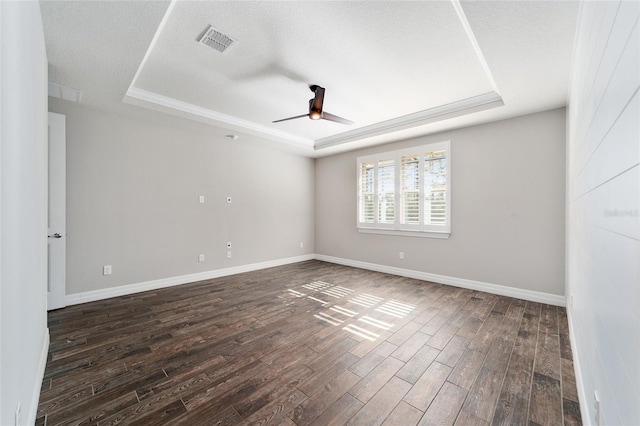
315,109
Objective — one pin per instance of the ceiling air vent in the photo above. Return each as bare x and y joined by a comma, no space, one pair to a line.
215,39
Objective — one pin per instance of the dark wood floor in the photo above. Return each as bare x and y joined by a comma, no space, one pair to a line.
310,343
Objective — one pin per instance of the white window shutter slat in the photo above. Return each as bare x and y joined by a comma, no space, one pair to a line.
386,191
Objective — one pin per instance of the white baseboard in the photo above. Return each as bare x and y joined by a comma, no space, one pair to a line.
582,395
90,296
534,296
35,394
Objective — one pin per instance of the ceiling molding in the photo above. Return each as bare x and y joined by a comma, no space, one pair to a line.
227,121
152,45
454,109
474,43
431,115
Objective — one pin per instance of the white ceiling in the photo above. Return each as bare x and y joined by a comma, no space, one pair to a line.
398,69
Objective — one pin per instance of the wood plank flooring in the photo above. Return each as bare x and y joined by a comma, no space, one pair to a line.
311,343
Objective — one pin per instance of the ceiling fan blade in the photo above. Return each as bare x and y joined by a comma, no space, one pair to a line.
331,117
318,99
291,118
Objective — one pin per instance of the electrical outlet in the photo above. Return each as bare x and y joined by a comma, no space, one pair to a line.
201,258
301,244
106,270
401,255
18,419
228,245
228,254
201,199
596,408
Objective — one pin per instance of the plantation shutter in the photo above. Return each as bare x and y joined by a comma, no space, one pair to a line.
386,191
367,192
406,192
435,188
410,189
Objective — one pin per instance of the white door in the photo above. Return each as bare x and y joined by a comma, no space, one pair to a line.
57,217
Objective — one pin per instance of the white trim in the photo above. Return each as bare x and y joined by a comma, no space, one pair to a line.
154,40
218,118
35,394
144,98
405,233
582,396
454,109
474,42
534,296
90,296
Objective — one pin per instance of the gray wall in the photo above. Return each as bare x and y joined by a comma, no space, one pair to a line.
132,200
23,210
603,241
507,207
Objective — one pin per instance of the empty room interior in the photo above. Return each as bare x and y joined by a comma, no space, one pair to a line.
320,213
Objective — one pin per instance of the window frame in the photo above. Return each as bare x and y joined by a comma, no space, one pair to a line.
397,228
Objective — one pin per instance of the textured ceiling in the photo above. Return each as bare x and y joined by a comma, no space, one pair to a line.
398,69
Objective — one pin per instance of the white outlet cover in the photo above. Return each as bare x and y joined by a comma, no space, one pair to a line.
201,199
228,254
201,258
106,270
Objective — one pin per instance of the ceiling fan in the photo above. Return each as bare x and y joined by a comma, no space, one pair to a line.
315,109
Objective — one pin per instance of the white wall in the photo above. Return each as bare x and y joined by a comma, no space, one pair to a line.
132,200
23,210
603,204
507,207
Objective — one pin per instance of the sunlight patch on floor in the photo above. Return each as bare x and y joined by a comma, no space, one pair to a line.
362,332
337,291
395,309
328,318
366,300
333,314
376,323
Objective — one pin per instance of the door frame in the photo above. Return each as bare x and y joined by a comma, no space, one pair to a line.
57,233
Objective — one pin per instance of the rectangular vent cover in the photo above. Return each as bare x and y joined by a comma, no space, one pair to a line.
215,39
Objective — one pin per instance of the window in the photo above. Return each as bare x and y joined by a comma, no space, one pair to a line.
406,192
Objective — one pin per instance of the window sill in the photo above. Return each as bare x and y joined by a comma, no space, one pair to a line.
403,233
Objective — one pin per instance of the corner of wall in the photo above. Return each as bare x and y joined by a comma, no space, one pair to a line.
44,351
